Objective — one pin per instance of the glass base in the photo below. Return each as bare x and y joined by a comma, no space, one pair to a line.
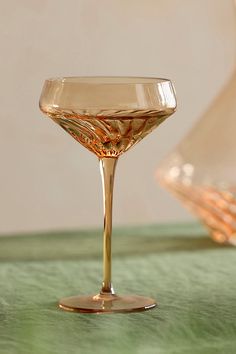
107,303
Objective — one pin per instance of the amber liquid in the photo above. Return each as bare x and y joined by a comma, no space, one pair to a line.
214,206
108,135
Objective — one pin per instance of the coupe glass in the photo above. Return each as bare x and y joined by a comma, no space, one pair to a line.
107,115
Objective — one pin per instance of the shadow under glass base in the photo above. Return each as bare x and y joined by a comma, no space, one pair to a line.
110,303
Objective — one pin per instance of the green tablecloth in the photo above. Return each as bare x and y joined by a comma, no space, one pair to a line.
193,279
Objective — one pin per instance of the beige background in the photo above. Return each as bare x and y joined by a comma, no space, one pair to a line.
47,180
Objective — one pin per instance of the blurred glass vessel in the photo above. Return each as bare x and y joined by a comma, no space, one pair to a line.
201,171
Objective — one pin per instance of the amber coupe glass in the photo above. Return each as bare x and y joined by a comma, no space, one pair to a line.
107,115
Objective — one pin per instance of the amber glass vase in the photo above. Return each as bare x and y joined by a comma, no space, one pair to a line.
201,171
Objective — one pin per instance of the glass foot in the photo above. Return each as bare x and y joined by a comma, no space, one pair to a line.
109,303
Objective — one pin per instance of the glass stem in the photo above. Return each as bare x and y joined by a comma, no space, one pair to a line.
107,169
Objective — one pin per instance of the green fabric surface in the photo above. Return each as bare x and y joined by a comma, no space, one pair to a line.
191,277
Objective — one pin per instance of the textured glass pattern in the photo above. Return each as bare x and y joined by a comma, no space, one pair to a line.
109,135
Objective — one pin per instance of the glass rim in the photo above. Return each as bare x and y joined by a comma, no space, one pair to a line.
109,80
